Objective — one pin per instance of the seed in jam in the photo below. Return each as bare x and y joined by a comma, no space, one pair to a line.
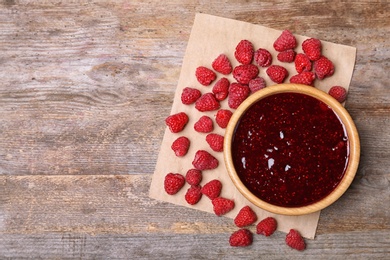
290,149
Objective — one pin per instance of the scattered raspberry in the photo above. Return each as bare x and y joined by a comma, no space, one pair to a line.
237,94
263,57
194,177
244,52
212,189
190,95
312,48
244,73
256,84
245,217
204,125
242,238
193,195
205,75
323,67
173,182
266,227
295,240
305,77
285,41
203,160
302,63
180,146
215,142
286,56
277,73
222,64
222,117
221,205
207,102
176,122
339,93
221,89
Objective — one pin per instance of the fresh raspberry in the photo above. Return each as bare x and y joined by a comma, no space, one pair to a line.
244,52
173,182
176,122
204,125
212,189
277,73
205,75
305,77
256,84
221,205
312,48
266,227
242,237
245,217
207,102
323,67
203,160
222,64
222,117
180,146
193,195
244,73
295,240
215,142
263,57
302,63
237,94
190,95
339,93
286,56
285,41
194,177
221,89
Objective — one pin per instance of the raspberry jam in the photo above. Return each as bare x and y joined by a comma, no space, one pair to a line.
290,149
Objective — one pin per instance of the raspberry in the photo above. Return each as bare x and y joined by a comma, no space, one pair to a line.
204,125
203,160
244,52
302,63
295,240
285,41
222,117
194,177
221,205
212,189
339,93
221,89
215,142
256,84
286,56
180,146
263,57
173,182
190,95
277,73
207,102
312,48
245,217
205,75
176,122
266,227
193,195
244,73
237,94
241,238
323,67
222,64
305,77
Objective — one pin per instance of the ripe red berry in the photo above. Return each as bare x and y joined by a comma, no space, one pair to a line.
215,142
323,67
305,77
222,64
263,57
286,56
173,182
221,205
194,177
266,227
205,75
176,122
190,95
245,217
207,102
241,238
339,93
237,94
212,189
244,73
244,52
222,117
221,89
312,48
203,160
180,146
302,63
277,73
295,240
193,195
256,84
285,41
204,125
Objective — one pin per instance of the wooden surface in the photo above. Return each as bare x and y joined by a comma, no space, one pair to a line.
85,88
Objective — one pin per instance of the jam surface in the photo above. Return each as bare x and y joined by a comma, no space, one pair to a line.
290,149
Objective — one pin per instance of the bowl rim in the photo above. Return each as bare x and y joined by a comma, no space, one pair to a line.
341,112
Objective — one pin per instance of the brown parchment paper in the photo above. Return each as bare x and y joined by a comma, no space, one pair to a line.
211,36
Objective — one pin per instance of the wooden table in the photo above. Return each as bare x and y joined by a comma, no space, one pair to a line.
85,88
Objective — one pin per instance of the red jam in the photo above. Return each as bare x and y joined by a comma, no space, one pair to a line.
290,149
